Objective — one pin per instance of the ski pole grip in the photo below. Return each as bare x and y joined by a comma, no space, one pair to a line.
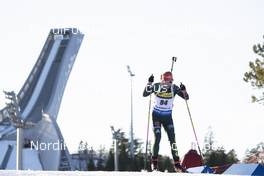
173,60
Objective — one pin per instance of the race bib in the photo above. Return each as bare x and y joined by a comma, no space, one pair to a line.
163,104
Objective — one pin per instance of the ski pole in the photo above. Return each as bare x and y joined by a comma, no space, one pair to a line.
189,112
174,59
146,152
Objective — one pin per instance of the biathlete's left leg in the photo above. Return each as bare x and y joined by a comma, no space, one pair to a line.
169,128
157,135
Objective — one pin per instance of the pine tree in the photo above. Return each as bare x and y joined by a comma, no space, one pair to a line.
255,76
91,166
110,161
168,166
124,161
232,157
101,159
218,156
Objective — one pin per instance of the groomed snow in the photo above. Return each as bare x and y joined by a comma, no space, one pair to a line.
92,173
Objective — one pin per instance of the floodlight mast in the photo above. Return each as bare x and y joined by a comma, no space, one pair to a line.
14,116
131,122
116,137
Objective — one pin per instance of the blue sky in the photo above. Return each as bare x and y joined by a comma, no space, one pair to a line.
213,42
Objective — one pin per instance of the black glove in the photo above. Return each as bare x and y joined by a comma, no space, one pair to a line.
182,87
151,79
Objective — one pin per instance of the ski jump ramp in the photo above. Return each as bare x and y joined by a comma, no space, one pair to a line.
39,100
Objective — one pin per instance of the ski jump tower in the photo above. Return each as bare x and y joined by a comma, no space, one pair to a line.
39,101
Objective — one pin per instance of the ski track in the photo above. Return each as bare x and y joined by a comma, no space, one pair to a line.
91,173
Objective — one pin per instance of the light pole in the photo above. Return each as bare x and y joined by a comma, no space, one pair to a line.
14,116
116,137
131,122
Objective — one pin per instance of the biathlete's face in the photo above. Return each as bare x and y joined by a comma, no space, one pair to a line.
166,82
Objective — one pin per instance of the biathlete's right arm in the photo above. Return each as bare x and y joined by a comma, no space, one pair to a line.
149,87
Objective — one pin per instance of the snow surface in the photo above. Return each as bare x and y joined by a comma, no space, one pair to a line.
92,173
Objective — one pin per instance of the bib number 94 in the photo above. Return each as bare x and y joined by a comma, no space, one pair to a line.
163,102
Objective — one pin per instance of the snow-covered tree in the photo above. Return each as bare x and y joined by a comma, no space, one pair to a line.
209,140
255,155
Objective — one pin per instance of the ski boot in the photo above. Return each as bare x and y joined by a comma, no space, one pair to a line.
178,167
154,164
